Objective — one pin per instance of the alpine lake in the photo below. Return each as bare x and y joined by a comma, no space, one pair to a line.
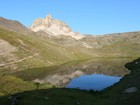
94,74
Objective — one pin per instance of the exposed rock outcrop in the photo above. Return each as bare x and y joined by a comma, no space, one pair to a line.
53,27
6,48
6,52
130,90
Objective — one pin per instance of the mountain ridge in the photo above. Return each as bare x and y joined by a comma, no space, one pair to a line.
14,25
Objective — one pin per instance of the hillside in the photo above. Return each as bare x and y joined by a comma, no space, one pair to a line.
19,52
114,45
114,95
22,52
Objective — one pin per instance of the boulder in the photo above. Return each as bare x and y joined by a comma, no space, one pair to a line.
130,90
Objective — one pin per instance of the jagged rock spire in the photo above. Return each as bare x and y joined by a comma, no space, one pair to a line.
49,16
53,27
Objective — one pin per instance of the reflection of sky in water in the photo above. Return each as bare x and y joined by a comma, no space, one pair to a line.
94,82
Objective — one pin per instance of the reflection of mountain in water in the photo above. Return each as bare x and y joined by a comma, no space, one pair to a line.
63,75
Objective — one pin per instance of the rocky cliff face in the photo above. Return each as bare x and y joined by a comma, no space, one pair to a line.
53,27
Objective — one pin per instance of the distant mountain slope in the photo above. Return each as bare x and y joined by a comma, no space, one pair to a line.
108,39
14,26
114,45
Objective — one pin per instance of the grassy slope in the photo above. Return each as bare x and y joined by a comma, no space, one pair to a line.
10,85
120,45
111,67
118,50
49,53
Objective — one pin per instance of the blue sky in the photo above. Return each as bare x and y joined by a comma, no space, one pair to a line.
84,16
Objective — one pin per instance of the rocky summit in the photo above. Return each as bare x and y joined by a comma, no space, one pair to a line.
54,27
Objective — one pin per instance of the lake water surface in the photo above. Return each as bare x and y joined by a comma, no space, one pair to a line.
95,74
95,82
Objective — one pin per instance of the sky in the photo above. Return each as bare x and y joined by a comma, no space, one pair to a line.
94,17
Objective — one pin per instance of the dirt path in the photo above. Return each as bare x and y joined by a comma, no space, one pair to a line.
20,60
5,52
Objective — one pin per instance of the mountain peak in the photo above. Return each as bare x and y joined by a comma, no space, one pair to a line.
49,16
53,27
